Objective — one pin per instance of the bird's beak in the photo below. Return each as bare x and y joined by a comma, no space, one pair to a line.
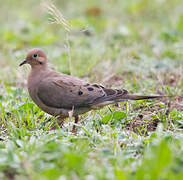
23,62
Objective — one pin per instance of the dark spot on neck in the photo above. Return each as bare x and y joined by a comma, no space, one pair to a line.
90,89
80,92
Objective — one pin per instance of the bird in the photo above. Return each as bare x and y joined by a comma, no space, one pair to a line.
63,95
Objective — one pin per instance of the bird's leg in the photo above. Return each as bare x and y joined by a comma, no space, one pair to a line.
70,118
60,123
76,121
71,113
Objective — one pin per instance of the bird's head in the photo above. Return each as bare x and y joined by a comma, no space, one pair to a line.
35,57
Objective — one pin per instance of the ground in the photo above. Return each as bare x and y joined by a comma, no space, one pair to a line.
135,45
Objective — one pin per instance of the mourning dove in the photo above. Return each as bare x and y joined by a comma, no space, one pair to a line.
59,94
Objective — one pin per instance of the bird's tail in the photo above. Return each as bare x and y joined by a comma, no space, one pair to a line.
138,97
125,97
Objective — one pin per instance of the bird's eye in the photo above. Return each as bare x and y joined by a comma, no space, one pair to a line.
35,56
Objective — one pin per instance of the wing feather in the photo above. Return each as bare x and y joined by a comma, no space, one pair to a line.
66,92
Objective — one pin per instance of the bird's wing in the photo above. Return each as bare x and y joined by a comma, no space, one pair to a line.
67,92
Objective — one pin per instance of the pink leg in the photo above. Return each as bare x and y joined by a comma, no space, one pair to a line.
60,123
76,121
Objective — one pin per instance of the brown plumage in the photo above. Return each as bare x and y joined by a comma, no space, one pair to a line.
58,94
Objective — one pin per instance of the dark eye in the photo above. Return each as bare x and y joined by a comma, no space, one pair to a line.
35,55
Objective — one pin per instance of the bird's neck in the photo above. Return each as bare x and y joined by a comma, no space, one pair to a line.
37,67
37,73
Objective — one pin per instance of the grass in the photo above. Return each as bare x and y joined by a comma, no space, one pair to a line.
136,45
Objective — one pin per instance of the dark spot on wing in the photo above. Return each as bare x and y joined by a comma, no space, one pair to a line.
86,85
90,89
125,91
119,91
80,92
96,85
110,92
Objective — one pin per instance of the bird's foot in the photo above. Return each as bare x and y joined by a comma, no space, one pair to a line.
60,124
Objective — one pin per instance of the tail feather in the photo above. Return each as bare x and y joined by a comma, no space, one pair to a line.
139,97
124,98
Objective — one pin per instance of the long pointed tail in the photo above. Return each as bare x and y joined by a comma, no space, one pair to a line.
125,97
139,97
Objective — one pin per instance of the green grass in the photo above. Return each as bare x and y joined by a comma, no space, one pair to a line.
134,44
